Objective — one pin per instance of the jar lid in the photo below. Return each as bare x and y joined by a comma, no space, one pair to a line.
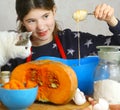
109,53
5,73
109,48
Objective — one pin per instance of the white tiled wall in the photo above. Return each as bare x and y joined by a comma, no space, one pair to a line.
65,8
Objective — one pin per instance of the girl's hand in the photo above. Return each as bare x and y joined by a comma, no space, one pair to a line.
106,13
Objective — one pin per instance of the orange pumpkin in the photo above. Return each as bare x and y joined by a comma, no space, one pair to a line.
16,84
30,84
57,82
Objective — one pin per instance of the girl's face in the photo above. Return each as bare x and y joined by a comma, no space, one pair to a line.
41,22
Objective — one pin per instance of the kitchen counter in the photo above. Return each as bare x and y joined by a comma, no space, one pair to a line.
69,106
41,106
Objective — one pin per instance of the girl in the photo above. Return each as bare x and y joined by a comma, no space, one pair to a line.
47,39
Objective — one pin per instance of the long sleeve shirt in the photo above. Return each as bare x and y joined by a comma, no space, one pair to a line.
69,41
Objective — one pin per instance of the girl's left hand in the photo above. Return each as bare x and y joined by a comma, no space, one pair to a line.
106,13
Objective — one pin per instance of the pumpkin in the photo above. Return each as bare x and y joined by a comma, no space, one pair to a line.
16,84
56,81
30,84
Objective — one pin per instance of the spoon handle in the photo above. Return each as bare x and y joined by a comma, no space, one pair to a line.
90,14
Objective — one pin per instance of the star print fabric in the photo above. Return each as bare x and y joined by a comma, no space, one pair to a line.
69,41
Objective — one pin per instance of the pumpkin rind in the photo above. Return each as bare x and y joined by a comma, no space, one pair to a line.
57,82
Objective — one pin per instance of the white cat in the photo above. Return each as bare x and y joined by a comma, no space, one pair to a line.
13,45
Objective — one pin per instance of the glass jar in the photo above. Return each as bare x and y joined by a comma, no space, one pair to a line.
5,76
107,74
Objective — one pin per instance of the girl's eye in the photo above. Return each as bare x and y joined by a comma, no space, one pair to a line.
30,21
46,16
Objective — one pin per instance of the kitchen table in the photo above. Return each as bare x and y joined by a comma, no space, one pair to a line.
43,106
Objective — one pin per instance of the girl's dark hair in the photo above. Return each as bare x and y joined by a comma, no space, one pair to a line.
23,7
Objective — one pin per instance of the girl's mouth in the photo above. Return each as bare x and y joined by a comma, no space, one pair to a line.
42,33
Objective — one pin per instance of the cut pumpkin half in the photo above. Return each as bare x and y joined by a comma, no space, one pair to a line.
57,82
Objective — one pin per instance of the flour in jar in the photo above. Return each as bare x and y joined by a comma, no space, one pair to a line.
107,89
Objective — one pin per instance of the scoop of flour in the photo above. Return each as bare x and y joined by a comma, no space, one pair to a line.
107,89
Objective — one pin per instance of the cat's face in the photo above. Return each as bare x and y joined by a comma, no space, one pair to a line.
22,47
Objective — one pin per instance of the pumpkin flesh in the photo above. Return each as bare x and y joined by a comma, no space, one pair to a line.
57,82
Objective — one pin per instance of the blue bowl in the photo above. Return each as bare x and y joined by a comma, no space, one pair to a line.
18,99
84,69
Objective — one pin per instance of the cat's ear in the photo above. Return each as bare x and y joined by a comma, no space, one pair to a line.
23,38
26,34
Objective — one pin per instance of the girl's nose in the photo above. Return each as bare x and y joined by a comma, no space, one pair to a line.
40,25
